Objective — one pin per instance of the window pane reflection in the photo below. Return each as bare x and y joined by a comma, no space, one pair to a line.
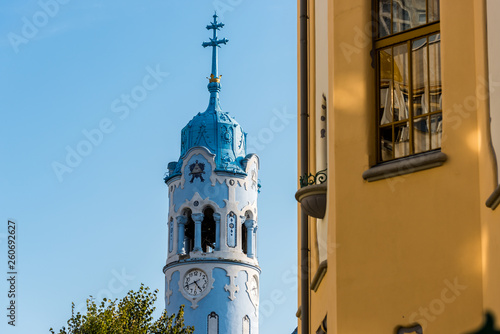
407,14
420,77
433,10
386,143
384,12
402,140
435,72
436,130
401,81
409,78
421,134
385,88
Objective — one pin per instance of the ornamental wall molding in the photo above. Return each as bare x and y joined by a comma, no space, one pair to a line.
203,151
254,299
232,273
169,292
207,269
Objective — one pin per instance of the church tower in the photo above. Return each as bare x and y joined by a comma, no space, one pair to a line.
212,265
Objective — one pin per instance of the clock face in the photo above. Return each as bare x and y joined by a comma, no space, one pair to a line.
195,282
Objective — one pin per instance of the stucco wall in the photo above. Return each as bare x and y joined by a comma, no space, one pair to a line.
404,240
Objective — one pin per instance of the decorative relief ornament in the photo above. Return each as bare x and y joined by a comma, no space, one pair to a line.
226,160
171,235
226,134
197,170
168,292
231,230
240,144
183,141
253,290
232,288
254,179
224,117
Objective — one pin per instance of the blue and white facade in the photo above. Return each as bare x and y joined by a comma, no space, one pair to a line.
212,265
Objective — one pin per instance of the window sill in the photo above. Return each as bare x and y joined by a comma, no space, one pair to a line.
411,164
494,200
318,277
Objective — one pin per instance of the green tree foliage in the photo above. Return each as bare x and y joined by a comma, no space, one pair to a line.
131,315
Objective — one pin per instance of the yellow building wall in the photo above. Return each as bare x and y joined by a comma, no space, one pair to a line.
418,248
489,167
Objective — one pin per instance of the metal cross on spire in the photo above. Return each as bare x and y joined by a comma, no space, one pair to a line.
215,43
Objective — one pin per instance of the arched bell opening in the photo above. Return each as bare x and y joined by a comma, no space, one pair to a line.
208,231
248,234
188,231
244,233
244,238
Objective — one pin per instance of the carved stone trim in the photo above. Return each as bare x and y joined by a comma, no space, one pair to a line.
195,299
169,291
232,288
215,318
254,299
209,156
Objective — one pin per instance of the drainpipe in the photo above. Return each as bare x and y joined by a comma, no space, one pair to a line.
304,168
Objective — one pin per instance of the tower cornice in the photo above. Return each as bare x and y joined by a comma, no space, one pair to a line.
214,261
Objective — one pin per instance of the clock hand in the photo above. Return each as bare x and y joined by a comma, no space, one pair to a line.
196,282
188,284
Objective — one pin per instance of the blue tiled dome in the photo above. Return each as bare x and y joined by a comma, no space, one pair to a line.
218,132
221,134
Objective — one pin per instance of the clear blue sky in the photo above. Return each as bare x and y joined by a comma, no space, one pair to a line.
99,227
